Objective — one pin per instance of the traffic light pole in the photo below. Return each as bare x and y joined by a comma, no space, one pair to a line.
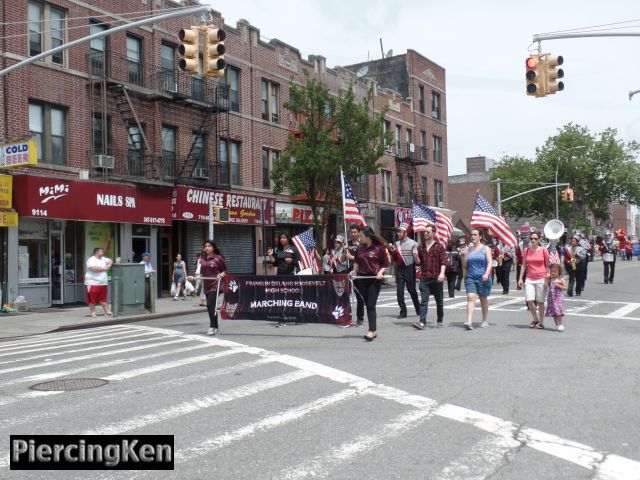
154,19
556,36
500,201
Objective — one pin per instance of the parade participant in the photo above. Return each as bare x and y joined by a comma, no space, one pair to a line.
285,259
405,254
493,245
96,282
148,271
338,266
577,262
462,243
609,251
453,267
523,242
555,297
370,261
327,260
348,257
476,259
212,269
432,267
504,256
535,262
179,277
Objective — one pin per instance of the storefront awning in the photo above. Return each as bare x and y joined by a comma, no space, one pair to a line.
190,203
45,197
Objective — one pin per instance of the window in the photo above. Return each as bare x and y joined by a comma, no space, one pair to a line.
423,190
398,137
168,151
33,251
386,185
387,127
98,47
437,193
409,146
99,146
168,68
232,81
134,59
230,162
423,146
199,141
435,105
46,30
270,102
421,98
400,188
410,189
437,150
135,157
269,158
48,128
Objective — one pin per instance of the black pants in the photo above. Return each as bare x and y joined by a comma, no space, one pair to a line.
452,280
212,298
576,277
359,305
370,289
147,293
505,274
609,270
572,278
406,274
431,286
459,279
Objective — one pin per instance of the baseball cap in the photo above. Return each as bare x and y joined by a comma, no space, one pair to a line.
403,226
146,254
339,238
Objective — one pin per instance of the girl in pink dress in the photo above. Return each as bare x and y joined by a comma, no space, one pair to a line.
555,296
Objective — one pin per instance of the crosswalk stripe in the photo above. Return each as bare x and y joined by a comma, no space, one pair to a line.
580,308
511,301
323,465
208,401
52,338
624,310
480,460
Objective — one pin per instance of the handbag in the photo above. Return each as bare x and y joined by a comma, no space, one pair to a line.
173,289
188,287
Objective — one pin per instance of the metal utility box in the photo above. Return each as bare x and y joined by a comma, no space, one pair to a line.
127,294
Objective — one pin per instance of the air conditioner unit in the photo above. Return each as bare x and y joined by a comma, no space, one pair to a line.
434,114
103,161
201,173
440,203
402,199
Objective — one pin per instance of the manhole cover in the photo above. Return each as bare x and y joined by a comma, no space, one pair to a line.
69,384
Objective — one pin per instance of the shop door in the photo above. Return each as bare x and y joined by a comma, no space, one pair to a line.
56,241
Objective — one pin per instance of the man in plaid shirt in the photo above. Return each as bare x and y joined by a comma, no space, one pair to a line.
431,255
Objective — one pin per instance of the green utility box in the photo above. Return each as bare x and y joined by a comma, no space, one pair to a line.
127,289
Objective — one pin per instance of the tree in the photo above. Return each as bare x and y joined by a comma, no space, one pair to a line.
336,132
601,170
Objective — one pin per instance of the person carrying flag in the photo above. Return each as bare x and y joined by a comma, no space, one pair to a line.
405,254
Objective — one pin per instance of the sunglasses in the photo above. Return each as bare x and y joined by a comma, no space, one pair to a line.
535,238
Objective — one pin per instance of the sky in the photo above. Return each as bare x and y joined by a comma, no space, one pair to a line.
483,47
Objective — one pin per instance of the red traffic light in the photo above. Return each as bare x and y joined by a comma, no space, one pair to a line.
531,62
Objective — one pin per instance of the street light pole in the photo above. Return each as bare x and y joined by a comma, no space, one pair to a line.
498,202
556,182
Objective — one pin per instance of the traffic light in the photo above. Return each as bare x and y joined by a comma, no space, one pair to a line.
188,50
535,77
567,194
222,215
214,62
552,73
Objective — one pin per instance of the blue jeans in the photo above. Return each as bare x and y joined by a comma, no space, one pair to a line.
431,286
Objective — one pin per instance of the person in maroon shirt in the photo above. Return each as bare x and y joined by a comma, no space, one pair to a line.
212,268
370,261
431,255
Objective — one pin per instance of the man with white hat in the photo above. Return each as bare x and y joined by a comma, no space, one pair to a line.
338,266
405,254
609,251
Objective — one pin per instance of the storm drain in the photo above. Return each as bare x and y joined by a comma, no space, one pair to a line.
69,384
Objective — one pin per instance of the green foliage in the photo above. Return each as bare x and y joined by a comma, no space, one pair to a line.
601,169
335,132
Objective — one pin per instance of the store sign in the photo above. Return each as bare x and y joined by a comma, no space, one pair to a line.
297,214
8,219
402,215
191,203
46,197
18,154
6,185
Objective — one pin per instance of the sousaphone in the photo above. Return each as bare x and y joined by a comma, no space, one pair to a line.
553,229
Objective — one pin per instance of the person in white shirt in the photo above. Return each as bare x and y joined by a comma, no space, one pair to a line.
96,281
148,271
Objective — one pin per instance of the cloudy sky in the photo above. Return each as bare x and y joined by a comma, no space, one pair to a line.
482,46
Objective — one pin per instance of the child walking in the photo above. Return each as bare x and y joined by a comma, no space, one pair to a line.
555,297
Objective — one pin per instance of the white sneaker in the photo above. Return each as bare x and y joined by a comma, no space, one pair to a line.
561,328
212,331
175,298
484,324
468,326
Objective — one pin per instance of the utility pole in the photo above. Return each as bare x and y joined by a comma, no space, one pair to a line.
498,202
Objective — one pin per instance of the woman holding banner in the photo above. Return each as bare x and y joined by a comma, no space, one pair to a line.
370,263
212,269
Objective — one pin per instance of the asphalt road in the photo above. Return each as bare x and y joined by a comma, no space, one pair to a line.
316,401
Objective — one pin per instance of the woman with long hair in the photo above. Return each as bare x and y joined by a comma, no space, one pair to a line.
476,259
535,264
212,270
371,261
284,257
179,277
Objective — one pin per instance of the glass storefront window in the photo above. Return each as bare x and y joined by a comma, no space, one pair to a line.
33,251
74,252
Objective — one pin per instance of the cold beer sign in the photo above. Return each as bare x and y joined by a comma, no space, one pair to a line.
18,154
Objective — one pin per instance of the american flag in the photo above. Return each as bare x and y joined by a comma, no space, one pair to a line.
306,246
485,216
554,257
350,204
423,217
444,227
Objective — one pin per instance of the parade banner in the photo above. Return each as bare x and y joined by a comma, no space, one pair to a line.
304,298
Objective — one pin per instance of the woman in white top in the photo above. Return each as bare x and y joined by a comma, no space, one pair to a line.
96,281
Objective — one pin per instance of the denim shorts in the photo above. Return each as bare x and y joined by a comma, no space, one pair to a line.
476,285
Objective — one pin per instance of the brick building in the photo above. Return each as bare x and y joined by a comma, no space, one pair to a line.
131,150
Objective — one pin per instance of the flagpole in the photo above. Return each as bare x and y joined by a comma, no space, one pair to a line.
344,213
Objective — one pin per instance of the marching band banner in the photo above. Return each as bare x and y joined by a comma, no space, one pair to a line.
303,298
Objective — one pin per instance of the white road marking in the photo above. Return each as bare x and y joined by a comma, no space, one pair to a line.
479,461
624,310
580,308
191,406
52,338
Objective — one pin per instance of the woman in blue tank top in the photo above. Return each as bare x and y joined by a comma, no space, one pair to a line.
477,261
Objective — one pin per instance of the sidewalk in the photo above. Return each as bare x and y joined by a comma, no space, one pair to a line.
43,320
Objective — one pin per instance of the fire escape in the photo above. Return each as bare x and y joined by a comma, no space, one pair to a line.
408,158
127,94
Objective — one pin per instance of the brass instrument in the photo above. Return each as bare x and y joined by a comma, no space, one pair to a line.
573,261
500,260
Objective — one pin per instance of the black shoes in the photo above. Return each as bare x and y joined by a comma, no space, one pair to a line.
402,315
